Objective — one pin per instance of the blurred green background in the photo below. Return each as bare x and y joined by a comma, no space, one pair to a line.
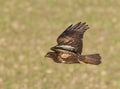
28,28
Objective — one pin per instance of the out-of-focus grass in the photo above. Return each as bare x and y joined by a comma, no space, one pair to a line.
29,28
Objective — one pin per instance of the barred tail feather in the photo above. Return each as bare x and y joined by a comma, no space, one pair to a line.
94,59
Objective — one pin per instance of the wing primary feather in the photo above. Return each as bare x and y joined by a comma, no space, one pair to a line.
82,25
69,27
76,25
86,27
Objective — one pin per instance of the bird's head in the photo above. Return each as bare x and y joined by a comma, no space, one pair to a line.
51,55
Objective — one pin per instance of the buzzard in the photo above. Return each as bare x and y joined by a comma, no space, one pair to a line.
69,47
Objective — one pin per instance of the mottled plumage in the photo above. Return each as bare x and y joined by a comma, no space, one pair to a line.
69,47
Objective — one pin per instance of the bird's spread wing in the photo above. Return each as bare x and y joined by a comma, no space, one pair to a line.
73,35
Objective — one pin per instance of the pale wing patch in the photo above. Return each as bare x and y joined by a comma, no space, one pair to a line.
65,46
65,55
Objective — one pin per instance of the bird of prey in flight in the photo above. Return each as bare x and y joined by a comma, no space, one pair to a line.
69,47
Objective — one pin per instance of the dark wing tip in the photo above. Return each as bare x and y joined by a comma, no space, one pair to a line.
72,31
76,25
81,27
69,27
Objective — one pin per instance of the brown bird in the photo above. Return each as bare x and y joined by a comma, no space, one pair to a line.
70,46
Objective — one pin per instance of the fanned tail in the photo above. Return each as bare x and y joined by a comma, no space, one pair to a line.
94,59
